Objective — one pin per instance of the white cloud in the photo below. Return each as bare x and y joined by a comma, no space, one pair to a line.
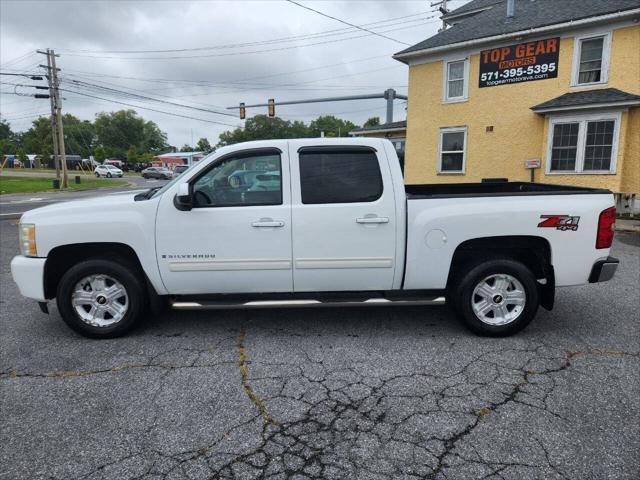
71,26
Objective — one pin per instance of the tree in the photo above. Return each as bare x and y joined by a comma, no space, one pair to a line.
117,131
46,160
5,130
132,154
99,154
372,122
21,156
262,127
38,136
331,126
79,135
186,148
7,137
203,145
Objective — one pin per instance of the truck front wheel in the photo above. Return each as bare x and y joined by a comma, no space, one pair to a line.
100,298
497,297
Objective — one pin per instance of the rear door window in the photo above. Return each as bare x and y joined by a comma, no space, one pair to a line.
339,176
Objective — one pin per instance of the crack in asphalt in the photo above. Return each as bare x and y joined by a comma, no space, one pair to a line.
345,424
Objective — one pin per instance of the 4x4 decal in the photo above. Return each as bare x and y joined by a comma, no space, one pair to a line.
559,222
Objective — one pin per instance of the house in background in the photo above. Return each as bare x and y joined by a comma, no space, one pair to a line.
396,132
555,83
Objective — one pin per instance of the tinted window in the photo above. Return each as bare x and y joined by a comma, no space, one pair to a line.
339,176
239,181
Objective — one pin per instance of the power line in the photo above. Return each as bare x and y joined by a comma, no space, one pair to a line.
231,54
81,84
147,108
339,31
347,23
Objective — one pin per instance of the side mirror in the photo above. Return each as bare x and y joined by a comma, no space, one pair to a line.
183,200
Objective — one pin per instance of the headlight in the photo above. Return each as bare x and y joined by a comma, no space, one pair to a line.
28,240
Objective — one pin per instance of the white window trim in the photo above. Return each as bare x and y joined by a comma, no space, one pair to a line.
445,80
582,137
606,58
464,151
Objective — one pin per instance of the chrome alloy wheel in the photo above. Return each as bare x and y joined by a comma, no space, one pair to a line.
100,300
498,299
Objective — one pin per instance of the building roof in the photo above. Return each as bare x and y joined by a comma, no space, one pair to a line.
588,99
490,19
385,127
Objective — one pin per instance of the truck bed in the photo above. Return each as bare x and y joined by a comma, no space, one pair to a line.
495,189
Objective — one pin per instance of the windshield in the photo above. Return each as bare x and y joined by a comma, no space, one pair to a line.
112,167
168,185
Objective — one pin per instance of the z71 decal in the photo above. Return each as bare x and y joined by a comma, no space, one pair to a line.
559,222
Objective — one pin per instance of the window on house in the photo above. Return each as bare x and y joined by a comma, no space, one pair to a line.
455,87
565,146
452,150
583,146
599,145
591,61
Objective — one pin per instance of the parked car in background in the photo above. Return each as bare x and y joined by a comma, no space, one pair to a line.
138,167
157,172
180,169
107,171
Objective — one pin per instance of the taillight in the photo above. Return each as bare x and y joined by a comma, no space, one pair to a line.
606,223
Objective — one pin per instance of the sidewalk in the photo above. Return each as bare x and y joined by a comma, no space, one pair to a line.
628,225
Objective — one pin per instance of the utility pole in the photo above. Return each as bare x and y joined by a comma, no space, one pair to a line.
54,131
443,9
60,130
57,130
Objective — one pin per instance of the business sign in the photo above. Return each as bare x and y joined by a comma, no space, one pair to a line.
524,62
532,163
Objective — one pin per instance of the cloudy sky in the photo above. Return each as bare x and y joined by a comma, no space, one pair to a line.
209,55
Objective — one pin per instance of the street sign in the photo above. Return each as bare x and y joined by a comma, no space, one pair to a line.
532,163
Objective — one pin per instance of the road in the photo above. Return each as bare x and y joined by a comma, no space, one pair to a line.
374,393
13,205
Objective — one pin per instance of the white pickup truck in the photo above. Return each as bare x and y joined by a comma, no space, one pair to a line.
314,222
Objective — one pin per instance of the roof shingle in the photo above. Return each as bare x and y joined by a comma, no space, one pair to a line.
589,98
528,14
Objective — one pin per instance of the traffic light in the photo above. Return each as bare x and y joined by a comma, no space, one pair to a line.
272,107
243,111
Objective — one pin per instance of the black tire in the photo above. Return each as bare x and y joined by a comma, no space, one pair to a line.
123,273
97,175
462,296
109,175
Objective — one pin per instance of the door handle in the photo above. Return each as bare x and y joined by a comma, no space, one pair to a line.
372,220
267,222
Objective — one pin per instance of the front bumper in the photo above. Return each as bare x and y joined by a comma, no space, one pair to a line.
604,270
28,273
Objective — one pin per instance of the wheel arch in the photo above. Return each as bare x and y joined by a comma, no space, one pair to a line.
532,251
61,258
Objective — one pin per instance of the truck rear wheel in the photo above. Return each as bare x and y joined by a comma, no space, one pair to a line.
497,298
100,298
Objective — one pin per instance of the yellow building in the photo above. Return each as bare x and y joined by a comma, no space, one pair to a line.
552,82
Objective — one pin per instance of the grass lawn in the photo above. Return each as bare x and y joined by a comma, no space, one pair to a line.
43,184
52,171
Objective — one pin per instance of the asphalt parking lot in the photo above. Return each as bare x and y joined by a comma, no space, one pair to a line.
330,393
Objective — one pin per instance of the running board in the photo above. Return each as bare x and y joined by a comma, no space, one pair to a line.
300,303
